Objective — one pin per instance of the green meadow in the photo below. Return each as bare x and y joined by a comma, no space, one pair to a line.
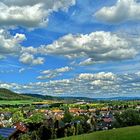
15,102
128,133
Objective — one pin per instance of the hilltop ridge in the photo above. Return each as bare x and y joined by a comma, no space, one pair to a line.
6,94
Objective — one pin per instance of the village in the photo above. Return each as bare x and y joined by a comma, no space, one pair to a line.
36,121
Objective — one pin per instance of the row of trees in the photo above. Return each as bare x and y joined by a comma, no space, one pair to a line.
126,118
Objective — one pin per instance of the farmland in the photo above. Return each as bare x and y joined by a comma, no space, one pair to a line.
15,102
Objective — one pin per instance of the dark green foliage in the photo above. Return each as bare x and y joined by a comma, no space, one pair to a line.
67,117
24,137
35,121
17,117
86,127
34,135
129,117
44,133
44,97
1,138
36,118
79,129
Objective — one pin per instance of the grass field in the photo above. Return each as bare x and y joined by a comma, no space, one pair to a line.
128,133
18,102
14,102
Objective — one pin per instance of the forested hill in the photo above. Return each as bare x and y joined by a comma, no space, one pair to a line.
6,94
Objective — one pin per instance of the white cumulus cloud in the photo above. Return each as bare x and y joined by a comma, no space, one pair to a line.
49,74
30,13
85,84
27,58
123,10
10,45
95,47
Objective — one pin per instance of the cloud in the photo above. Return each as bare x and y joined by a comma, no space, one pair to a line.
50,4
49,74
28,14
101,76
88,49
123,10
10,45
27,58
21,70
89,61
95,47
10,85
6,71
85,84
31,13
30,50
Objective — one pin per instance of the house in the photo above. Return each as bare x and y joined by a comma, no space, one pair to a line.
107,123
105,109
13,133
74,110
138,107
57,111
92,110
107,120
8,133
77,110
21,127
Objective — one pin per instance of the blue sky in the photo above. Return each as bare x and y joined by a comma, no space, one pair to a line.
85,48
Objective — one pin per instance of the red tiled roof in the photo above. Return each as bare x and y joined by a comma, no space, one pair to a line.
20,126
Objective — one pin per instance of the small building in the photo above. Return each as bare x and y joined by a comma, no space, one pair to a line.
8,133
21,127
13,133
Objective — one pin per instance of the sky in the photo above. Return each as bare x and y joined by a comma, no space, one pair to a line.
82,48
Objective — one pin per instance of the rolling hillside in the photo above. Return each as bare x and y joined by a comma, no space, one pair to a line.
6,94
128,133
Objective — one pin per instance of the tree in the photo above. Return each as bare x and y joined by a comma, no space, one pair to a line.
35,121
71,130
36,118
86,127
67,117
45,133
24,137
78,118
79,129
35,136
61,132
18,117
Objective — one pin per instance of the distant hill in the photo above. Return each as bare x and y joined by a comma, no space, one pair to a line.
47,97
44,97
6,94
